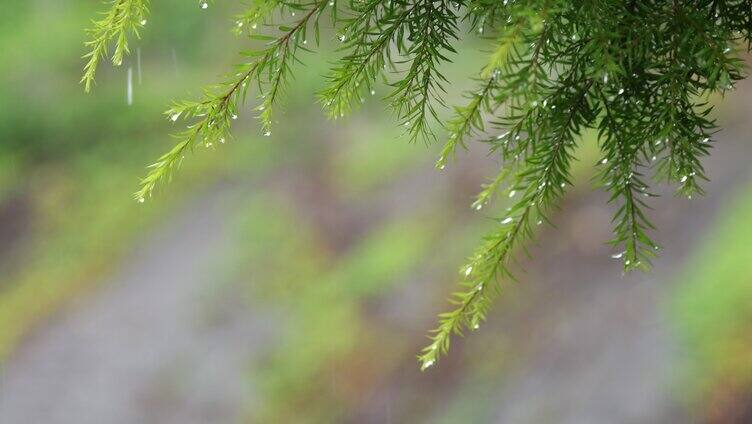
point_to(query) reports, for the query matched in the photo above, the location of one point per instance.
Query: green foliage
(637, 72)
(711, 308)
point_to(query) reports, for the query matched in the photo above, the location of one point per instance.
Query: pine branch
(542, 181)
(268, 68)
(432, 26)
(376, 27)
(641, 73)
(122, 17)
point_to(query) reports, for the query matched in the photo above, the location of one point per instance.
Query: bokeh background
(292, 278)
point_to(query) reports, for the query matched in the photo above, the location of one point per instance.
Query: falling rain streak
(175, 61)
(129, 87)
(138, 64)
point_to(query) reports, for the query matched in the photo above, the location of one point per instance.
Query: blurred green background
(291, 278)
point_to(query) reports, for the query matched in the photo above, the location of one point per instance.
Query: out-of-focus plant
(713, 313)
(638, 72)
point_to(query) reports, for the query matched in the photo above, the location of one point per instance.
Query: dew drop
(204, 5)
(267, 133)
(234, 116)
(683, 179)
(507, 220)
(373, 92)
(617, 255)
(141, 200)
(175, 116)
(468, 271)
(512, 193)
(604, 161)
(143, 22)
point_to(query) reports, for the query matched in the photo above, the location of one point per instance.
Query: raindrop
(476, 326)
(175, 61)
(203, 5)
(129, 87)
(468, 271)
(175, 116)
(254, 26)
(621, 91)
(512, 193)
(507, 220)
(141, 200)
(143, 22)
(373, 92)
(267, 133)
(138, 63)
(604, 161)
(618, 255)
(683, 179)
(234, 116)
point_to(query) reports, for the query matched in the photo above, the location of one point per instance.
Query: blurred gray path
(157, 344)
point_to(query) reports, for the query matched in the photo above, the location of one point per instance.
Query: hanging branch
(640, 73)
